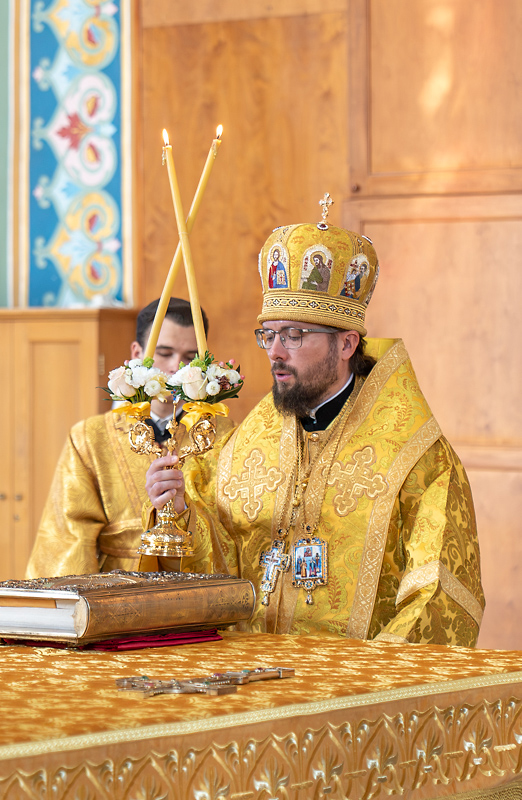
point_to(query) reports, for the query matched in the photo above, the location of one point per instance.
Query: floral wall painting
(77, 251)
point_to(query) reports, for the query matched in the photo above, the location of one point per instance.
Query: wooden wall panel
(7, 538)
(497, 496)
(49, 431)
(279, 87)
(433, 91)
(51, 353)
(449, 276)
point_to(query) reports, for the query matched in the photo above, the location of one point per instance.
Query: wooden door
(12, 384)
(58, 360)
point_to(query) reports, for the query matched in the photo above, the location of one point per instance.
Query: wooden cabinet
(53, 363)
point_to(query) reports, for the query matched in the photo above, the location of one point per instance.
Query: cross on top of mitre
(325, 203)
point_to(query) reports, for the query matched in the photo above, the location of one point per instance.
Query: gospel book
(84, 608)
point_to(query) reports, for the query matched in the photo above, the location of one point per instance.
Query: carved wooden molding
(163, 13)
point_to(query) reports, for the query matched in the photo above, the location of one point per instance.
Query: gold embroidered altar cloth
(359, 720)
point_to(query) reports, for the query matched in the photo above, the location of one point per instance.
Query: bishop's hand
(165, 482)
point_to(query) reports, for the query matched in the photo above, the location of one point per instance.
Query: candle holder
(201, 385)
(166, 538)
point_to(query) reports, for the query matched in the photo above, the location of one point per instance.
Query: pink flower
(118, 385)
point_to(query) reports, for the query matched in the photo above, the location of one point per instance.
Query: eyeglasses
(291, 338)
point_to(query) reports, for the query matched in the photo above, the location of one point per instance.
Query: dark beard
(305, 395)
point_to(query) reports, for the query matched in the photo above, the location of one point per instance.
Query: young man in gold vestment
(92, 518)
(338, 496)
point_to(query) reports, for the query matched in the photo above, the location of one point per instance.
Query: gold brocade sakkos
(391, 500)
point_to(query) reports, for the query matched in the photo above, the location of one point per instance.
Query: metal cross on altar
(326, 202)
(274, 561)
(215, 684)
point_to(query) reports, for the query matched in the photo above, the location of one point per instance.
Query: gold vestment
(386, 492)
(92, 518)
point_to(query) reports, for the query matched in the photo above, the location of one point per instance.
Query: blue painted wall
(71, 153)
(75, 239)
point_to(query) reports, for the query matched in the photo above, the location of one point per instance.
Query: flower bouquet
(203, 385)
(137, 382)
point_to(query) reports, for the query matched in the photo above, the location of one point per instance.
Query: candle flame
(219, 131)
(165, 137)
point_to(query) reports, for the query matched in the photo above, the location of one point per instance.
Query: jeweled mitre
(317, 273)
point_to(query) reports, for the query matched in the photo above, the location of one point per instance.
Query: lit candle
(176, 261)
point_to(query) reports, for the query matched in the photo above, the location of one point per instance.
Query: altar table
(359, 720)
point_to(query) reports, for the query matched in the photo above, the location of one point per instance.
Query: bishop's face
(309, 375)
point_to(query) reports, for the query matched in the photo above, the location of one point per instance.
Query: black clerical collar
(327, 411)
(159, 425)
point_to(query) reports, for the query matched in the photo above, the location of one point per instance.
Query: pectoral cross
(274, 561)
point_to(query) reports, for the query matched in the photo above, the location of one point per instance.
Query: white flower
(118, 383)
(139, 376)
(164, 395)
(194, 383)
(213, 388)
(134, 362)
(179, 376)
(153, 388)
(232, 376)
(214, 371)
